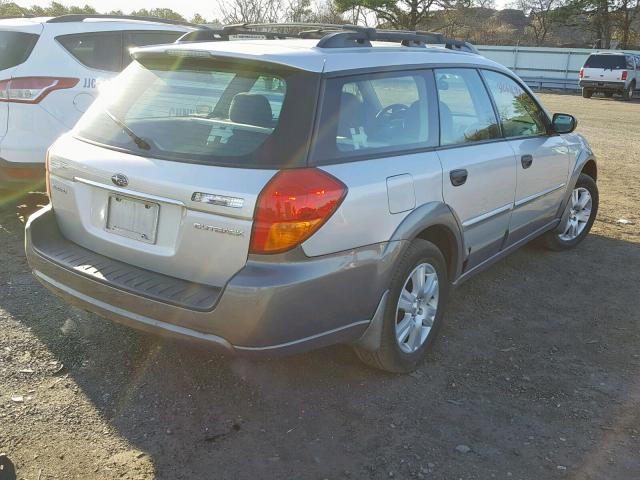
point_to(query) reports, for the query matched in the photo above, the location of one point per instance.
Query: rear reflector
(32, 89)
(292, 207)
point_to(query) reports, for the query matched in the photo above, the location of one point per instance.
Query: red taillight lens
(624, 75)
(581, 72)
(292, 207)
(32, 89)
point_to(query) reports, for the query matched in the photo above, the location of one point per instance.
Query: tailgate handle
(526, 161)
(458, 177)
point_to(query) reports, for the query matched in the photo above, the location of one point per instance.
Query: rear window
(99, 50)
(248, 114)
(607, 62)
(15, 48)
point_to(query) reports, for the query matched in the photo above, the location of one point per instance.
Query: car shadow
(536, 349)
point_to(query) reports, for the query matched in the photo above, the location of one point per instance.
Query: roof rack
(80, 17)
(337, 36)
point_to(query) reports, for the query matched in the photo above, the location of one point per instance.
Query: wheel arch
(436, 223)
(590, 168)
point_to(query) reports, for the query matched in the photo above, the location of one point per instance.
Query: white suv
(50, 69)
(609, 73)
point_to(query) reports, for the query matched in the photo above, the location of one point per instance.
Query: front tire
(418, 294)
(579, 216)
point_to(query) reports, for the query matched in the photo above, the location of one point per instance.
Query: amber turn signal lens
(292, 207)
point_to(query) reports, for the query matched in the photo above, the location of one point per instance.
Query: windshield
(15, 48)
(204, 111)
(608, 62)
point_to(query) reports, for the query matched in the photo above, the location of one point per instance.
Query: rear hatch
(17, 39)
(604, 68)
(164, 170)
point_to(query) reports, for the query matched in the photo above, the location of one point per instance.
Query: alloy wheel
(417, 308)
(579, 207)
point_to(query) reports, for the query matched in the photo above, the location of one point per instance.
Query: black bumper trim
(53, 247)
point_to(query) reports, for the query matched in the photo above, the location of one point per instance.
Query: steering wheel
(390, 112)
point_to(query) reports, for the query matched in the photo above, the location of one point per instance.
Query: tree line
(585, 23)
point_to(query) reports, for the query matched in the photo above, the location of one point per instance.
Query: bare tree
(541, 17)
(297, 10)
(403, 14)
(628, 12)
(250, 11)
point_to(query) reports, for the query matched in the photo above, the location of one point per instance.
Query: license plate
(133, 218)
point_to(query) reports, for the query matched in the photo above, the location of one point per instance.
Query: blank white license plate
(133, 218)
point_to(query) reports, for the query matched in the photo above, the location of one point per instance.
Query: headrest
(251, 109)
(352, 114)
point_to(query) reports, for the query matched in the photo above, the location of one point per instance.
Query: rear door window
(466, 113)
(371, 114)
(99, 50)
(606, 62)
(142, 39)
(15, 48)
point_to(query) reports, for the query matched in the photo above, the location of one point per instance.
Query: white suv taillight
(32, 89)
(581, 74)
(624, 75)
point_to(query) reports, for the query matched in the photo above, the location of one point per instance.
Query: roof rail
(25, 15)
(80, 17)
(357, 36)
(339, 36)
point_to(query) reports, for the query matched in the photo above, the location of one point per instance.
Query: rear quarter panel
(365, 217)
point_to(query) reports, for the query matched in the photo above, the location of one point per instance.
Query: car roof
(305, 55)
(90, 21)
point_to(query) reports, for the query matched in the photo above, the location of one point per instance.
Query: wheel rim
(417, 307)
(579, 206)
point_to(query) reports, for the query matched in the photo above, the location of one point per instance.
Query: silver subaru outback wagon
(271, 196)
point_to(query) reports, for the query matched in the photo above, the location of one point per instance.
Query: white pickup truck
(610, 73)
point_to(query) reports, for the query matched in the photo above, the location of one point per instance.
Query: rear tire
(586, 92)
(410, 324)
(627, 94)
(583, 208)
(608, 94)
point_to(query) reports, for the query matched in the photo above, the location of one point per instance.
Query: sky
(206, 8)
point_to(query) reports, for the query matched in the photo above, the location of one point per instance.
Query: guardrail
(542, 67)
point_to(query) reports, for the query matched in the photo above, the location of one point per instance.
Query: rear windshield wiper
(139, 141)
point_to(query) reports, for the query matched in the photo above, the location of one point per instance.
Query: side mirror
(564, 123)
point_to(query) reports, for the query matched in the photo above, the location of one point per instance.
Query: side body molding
(435, 214)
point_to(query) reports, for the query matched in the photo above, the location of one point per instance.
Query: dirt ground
(537, 372)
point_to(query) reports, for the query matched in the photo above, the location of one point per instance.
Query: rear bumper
(609, 86)
(282, 304)
(18, 173)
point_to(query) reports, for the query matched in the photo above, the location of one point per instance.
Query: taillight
(292, 207)
(32, 89)
(624, 75)
(47, 171)
(581, 72)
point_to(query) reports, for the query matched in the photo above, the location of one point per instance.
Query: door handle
(458, 177)
(526, 161)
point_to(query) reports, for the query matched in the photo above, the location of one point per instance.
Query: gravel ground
(536, 374)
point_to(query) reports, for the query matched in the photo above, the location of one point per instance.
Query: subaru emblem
(120, 180)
